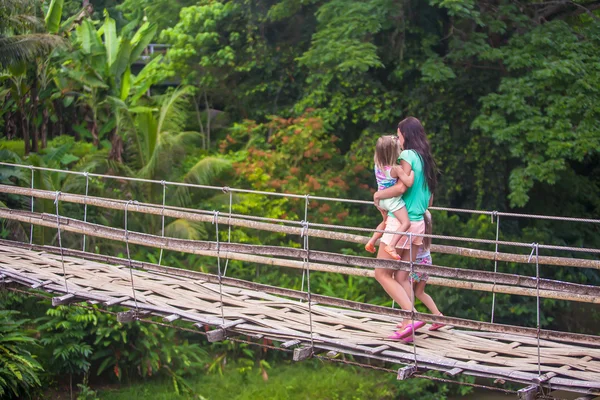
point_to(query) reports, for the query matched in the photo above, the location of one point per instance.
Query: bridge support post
(126, 316)
(406, 372)
(221, 333)
(528, 393)
(302, 353)
(66, 299)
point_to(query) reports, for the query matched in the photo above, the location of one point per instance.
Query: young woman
(416, 158)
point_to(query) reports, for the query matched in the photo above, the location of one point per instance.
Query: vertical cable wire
(412, 300)
(495, 214)
(87, 185)
(129, 256)
(226, 190)
(32, 198)
(62, 256)
(537, 288)
(306, 267)
(162, 213)
(305, 220)
(216, 223)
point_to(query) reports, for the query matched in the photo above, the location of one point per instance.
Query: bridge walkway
(197, 298)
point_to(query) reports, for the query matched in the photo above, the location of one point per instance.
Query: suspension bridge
(300, 321)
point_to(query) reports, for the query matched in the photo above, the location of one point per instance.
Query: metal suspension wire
(305, 234)
(32, 199)
(226, 190)
(216, 223)
(317, 198)
(85, 206)
(306, 267)
(129, 258)
(537, 288)
(62, 256)
(162, 230)
(412, 293)
(495, 263)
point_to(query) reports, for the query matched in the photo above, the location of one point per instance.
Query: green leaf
(54, 16)
(110, 40)
(121, 62)
(126, 84)
(142, 38)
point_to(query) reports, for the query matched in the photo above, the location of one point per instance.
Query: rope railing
(444, 276)
(299, 196)
(256, 223)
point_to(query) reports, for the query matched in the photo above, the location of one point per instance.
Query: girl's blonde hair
(428, 230)
(387, 151)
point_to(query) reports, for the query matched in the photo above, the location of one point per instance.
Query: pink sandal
(399, 335)
(436, 325)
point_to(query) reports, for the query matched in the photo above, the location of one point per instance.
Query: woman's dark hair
(415, 139)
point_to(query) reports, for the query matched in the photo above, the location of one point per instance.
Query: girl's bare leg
(425, 298)
(370, 246)
(402, 216)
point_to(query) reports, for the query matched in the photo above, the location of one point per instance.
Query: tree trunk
(24, 127)
(93, 127)
(35, 137)
(59, 125)
(10, 125)
(116, 151)
(45, 121)
(207, 121)
(200, 124)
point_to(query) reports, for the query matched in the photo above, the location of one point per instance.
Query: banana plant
(100, 71)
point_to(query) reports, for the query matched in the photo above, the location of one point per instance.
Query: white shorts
(392, 204)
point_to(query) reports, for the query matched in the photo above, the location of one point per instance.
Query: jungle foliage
(290, 96)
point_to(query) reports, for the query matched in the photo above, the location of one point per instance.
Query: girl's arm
(397, 190)
(407, 178)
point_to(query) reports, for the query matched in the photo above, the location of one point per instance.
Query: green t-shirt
(417, 196)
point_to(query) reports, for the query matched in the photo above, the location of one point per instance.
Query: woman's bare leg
(390, 285)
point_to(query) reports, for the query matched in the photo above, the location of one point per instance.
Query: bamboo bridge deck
(197, 299)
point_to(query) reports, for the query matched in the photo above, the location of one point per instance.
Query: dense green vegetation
(290, 96)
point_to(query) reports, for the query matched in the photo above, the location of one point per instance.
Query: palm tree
(23, 36)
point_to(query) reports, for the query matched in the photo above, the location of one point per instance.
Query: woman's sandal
(392, 252)
(370, 248)
(399, 335)
(436, 325)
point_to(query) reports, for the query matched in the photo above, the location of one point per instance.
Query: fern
(18, 370)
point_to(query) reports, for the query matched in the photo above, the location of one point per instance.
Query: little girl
(387, 173)
(419, 279)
